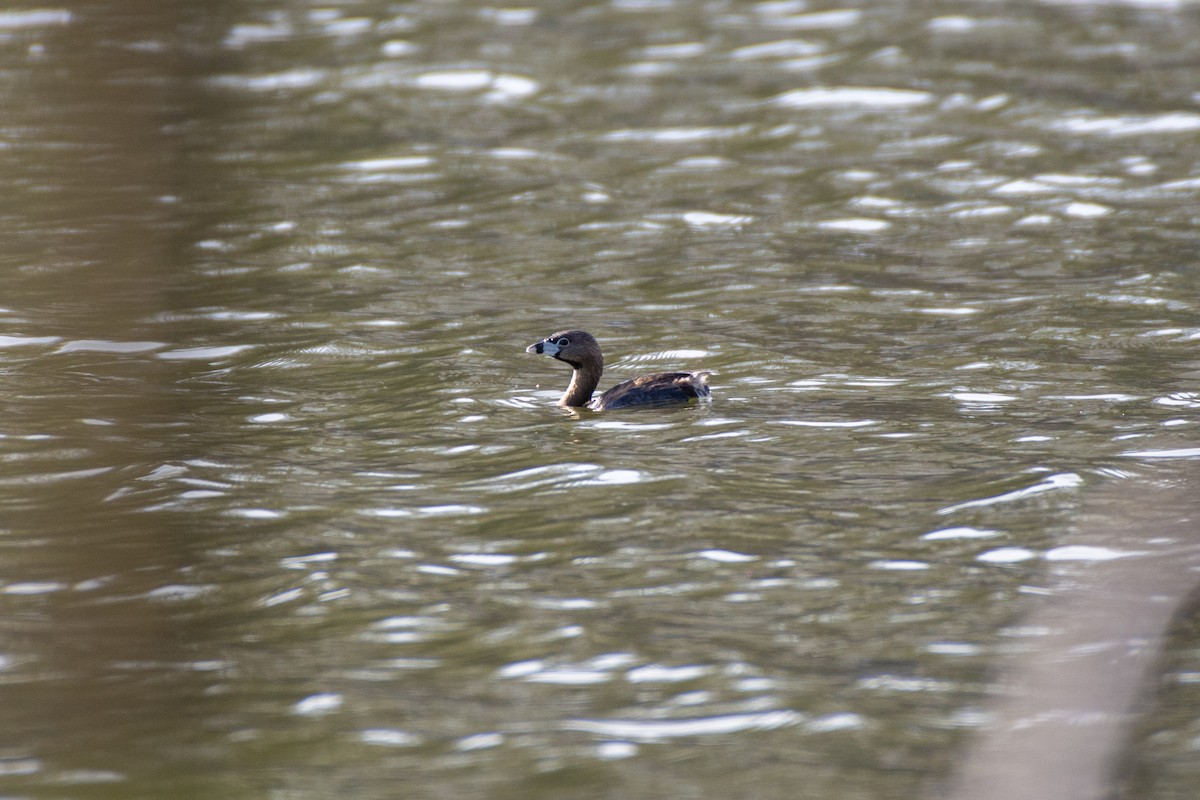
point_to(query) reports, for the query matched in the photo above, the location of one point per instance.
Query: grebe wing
(656, 389)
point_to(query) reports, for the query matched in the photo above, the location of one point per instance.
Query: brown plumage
(580, 350)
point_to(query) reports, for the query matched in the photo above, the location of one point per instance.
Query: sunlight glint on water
(287, 510)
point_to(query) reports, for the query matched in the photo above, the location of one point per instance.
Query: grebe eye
(563, 342)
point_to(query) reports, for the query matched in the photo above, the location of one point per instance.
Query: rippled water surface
(287, 511)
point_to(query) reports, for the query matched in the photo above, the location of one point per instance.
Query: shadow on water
(97, 249)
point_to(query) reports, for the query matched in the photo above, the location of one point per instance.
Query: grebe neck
(584, 379)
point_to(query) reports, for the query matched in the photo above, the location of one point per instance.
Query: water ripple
(813, 20)
(675, 135)
(1064, 480)
(1128, 125)
(859, 97)
(561, 475)
(660, 730)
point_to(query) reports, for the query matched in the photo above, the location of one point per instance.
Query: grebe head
(577, 348)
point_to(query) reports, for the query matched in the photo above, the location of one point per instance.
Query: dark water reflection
(287, 510)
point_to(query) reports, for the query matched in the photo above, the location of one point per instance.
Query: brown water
(287, 511)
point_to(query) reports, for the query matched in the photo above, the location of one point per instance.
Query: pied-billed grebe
(580, 350)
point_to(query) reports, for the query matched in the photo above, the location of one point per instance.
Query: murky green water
(287, 511)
